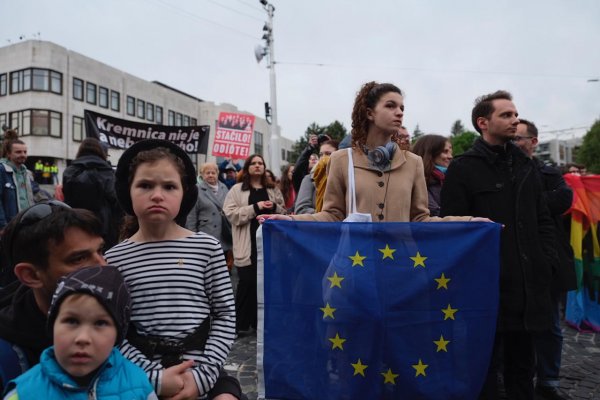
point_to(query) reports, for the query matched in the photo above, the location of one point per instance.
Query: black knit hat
(190, 195)
(106, 284)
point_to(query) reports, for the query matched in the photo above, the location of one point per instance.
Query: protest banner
(121, 134)
(233, 135)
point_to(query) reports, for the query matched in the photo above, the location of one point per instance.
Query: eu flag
(378, 310)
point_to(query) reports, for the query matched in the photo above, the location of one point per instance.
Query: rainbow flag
(583, 304)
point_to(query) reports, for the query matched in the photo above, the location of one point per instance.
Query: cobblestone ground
(580, 374)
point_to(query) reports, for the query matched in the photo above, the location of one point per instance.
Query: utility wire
(249, 5)
(236, 11)
(195, 16)
(395, 67)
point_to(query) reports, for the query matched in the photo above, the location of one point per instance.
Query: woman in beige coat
(390, 182)
(253, 196)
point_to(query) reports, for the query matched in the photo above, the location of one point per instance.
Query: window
(141, 108)
(130, 106)
(2, 120)
(258, 143)
(193, 121)
(56, 82)
(90, 93)
(283, 154)
(115, 101)
(78, 133)
(2, 85)
(150, 111)
(20, 81)
(171, 118)
(177, 119)
(37, 122)
(186, 120)
(40, 79)
(159, 115)
(103, 97)
(77, 89)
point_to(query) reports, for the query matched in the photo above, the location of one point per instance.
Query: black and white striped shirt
(175, 285)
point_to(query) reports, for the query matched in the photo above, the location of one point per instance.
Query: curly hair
(429, 147)
(367, 97)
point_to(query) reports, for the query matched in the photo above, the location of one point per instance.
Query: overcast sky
(442, 54)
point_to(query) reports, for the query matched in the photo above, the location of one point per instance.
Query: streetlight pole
(268, 37)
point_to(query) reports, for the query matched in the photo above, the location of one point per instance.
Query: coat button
(379, 173)
(380, 184)
(381, 205)
(499, 185)
(524, 257)
(380, 216)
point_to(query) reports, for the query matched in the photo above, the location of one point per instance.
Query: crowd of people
(161, 318)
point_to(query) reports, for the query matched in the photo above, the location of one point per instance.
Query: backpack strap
(13, 362)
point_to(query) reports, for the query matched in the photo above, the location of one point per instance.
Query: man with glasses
(42, 243)
(548, 344)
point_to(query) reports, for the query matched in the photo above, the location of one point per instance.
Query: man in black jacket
(559, 196)
(44, 243)
(494, 179)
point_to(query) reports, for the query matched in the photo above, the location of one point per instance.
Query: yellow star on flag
(449, 312)
(419, 260)
(328, 311)
(442, 281)
(359, 368)
(389, 377)
(337, 342)
(441, 344)
(357, 259)
(335, 280)
(420, 368)
(387, 252)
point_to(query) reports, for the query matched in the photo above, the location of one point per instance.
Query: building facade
(45, 88)
(557, 151)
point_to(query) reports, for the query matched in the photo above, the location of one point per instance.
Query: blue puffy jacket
(118, 378)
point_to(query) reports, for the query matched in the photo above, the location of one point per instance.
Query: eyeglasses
(31, 216)
(518, 138)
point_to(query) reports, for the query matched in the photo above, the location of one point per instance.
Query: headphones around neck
(382, 155)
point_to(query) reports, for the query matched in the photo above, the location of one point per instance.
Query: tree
(590, 149)
(462, 142)
(336, 130)
(457, 128)
(417, 132)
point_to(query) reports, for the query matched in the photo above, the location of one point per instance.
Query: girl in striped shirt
(182, 301)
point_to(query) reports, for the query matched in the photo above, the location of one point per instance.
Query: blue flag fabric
(378, 310)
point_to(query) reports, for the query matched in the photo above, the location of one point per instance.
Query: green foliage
(457, 128)
(462, 142)
(336, 130)
(417, 132)
(588, 153)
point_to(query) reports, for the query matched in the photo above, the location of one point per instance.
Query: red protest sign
(233, 135)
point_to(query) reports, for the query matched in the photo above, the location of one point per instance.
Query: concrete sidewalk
(580, 374)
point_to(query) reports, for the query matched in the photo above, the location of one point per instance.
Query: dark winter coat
(559, 197)
(502, 184)
(105, 206)
(22, 323)
(301, 167)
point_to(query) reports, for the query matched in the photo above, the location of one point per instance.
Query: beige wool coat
(395, 195)
(240, 214)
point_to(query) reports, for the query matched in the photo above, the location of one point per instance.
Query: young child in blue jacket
(89, 315)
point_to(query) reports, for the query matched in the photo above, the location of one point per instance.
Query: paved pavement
(580, 374)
